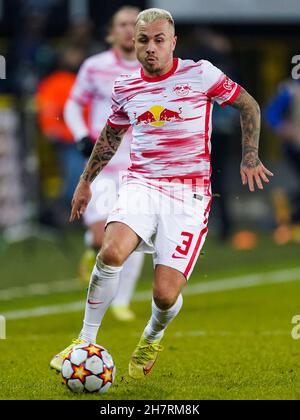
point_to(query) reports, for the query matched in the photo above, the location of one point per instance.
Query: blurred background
(244, 291)
(255, 43)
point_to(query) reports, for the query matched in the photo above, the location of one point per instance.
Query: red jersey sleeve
(218, 86)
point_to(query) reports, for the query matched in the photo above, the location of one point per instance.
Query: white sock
(103, 286)
(160, 319)
(128, 278)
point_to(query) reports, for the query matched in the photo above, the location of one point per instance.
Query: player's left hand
(256, 175)
(81, 198)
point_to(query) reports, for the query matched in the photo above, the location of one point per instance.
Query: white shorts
(170, 219)
(104, 196)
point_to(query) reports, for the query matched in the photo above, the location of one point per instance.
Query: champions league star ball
(88, 368)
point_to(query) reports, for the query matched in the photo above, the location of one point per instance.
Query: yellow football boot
(57, 360)
(144, 357)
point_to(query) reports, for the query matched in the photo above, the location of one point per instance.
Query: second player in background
(93, 89)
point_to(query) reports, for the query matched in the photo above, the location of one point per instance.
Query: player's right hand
(81, 198)
(85, 146)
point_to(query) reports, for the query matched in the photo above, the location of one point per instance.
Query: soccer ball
(88, 368)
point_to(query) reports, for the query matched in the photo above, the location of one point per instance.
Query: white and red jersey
(171, 116)
(93, 87)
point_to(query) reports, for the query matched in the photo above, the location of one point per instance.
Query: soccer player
(93, 88)
(168, 103)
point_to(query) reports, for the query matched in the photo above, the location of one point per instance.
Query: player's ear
(174, 42)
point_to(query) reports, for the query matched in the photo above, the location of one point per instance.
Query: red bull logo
(158, 115)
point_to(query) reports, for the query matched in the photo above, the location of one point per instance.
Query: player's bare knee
(164, 301)
(111, 255)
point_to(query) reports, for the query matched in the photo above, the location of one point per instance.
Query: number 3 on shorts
(186, 243)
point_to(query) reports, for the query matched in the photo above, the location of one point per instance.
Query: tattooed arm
(251, 167)
(103, 151)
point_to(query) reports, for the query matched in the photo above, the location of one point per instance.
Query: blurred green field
(232, 339)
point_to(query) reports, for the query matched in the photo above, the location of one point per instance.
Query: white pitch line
(40, 289)
(200, 333)
(231, 283)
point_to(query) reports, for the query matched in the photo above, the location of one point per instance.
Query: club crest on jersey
(158, 115)
(182, 89)
(228, 84)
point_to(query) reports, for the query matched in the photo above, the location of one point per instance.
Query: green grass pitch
(230, 344)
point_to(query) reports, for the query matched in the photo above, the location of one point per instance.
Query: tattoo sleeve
(105, 147)
(250, 124)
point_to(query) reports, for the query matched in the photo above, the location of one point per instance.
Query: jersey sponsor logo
(158, 115)
(182, 89)
(228, 84)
